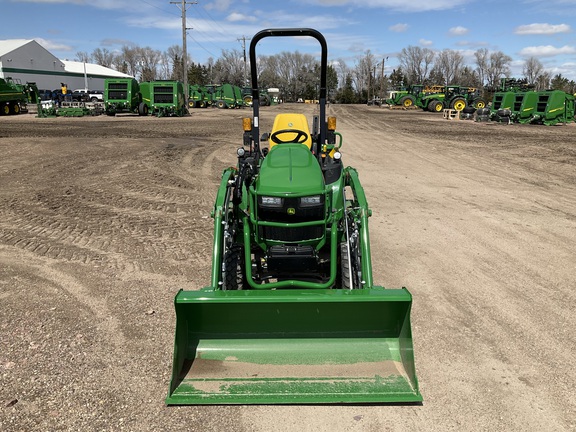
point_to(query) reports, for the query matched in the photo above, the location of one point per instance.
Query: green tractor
(405, 98)
(452, 97)
(292, 314)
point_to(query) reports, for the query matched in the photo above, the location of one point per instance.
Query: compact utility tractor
(292, 314)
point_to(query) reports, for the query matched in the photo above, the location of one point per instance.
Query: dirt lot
(103, 219)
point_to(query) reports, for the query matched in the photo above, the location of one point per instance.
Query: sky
(544, 29)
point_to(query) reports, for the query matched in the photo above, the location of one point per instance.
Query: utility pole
(183, 4)
(382, 79)
(243, 39)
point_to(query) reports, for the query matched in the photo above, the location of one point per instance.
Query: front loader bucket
(293, 347)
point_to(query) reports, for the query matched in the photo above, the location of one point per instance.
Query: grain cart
(13, 99)
(122, 95)
(164, 98)
(292, 314)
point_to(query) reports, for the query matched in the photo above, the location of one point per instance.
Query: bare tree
(362, 75)
(449, 63)
(129, 58)
(342, 70)
(416, 62)
(498, 66)
(229, 68)
(165, 69)
(103, 57)
(532, 70)
(543, 81)
(482, 56)
(150, 59)
(83, 56)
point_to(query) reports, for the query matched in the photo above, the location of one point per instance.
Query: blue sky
(545, 29)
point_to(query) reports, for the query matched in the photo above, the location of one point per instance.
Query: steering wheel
(301, 136)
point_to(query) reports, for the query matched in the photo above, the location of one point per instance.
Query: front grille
(282, 215)
(163, 89)
(117, 95)
(117, 86)
(291, 235)
(163, 98)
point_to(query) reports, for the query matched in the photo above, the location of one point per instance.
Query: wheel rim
(459, 105)
(408, 102)
(480, 104)
(438, 107)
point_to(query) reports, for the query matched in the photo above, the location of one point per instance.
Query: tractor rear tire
(407, 101)
(234, 277)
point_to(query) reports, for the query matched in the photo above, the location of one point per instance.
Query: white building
(28, 61)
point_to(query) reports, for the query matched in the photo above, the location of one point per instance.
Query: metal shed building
(28, 61)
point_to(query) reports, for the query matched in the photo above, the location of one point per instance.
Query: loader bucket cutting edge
(292, 347)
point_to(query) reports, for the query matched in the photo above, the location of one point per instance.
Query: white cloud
(458, 31)
(53, 46)
(219, 5)
(399, 28)
(238, 17)
(542, 29)
(397, 5)
(547, 51)
(425, 42)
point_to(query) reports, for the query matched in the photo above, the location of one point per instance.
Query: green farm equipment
(518, 102)
(291, 314)
(164, 98)
(552, 107)
(227, 96)
(122, 95)
(405, 98)
(452, 97)
(13, 98)
(199, 97)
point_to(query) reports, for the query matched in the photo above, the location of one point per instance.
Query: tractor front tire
(458, 104)
(435, 106)
(234, 278)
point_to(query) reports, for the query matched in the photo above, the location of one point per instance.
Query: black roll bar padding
(254, 72)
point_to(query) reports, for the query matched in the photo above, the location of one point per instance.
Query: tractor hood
(290, 169)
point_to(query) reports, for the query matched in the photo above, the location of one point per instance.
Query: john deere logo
(291, 211)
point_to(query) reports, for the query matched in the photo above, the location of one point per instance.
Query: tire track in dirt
(157, 221)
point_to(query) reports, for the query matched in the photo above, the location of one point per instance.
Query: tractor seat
(291, 121)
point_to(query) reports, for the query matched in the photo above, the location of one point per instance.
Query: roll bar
(254, 72)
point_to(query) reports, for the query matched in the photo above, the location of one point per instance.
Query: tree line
(296, 74)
